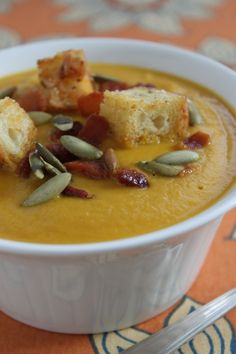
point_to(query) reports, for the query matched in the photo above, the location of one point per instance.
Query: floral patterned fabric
(207, 26)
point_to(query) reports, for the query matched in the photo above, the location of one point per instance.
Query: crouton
(17, 134)
(142, 115)
(65, 77)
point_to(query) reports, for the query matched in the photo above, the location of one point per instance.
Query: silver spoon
(170, 338)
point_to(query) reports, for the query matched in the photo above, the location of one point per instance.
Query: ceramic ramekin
(100, 287)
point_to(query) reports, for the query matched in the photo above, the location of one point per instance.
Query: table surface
(207, 26)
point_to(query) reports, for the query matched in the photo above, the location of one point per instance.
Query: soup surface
(118, 211)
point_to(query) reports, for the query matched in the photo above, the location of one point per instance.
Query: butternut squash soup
(137, 191)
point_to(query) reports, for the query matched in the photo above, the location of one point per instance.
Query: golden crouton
(65, 77)
(142, 115)
(17, 134)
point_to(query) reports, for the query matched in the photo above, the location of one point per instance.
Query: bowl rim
(224, 203)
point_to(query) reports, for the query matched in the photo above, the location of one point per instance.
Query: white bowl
(105, 286)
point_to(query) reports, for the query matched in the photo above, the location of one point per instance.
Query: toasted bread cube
(142, 115)
(65, 77)
(17, 134)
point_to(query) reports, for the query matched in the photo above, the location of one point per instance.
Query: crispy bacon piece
(70, 191)
(197, 140)
(104, 85)
(95, 130)
(23, 169)
(131, 178)
(77, 126)
(89, 169)
(32, 100)
(60, 152)
(90, 104)
(56, 133)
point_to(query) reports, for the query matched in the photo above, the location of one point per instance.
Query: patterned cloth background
(208, 26)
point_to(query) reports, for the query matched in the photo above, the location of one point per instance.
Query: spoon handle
(170, 338)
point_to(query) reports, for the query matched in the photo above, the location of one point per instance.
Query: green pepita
(50, 168)
(179, 157)
(40, 118)
(7, 92)
(62, 122)
(48, 190)
(49, 157)
(80, 148)
(160, 168)
(194, 114)
(36, 165)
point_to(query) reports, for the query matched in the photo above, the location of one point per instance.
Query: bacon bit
(95, 130)
(110, 160)
(23, 169)
(90, 104)
(112, 85)
(56, 134)
(131, 178)
(70, 191)
(32, 100)
(197, 140)
(61, 153)
(89, 169)
(187, 171)
(72, 67)
(77, 126)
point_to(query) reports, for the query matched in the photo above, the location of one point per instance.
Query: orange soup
(119, 211)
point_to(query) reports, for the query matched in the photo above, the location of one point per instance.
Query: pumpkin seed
(144, 165)
(62, 122)
(39, 117)
(104, 78)
(80, 148)
(49, 157)
(194, 114)
(48, 190)
(160, 168)
(179, 157)
(110, 159)
(7, 92)
(36, 165)
(50, 168)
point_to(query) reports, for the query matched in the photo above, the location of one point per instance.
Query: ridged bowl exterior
(98, 293)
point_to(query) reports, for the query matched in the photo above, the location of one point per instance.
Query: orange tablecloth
(208, 26)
